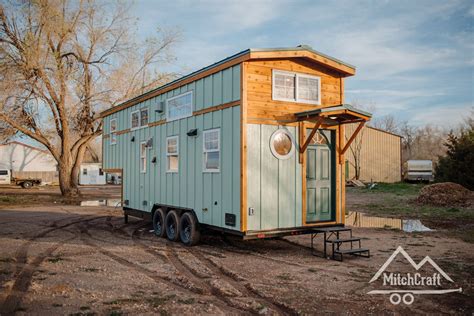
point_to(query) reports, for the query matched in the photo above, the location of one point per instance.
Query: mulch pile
(445, 194)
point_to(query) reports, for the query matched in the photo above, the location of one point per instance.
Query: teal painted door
(319, 182)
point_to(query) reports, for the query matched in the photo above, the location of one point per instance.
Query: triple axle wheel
(176, 226)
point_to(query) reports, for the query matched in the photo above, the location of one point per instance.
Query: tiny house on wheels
(252, 145)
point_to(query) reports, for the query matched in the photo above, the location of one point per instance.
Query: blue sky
(414, 59)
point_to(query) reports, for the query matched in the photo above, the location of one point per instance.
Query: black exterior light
(160, 107)
(192, 132)
(133, 139)
(153, 160)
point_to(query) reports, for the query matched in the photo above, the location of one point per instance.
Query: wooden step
(336, 241)
(351, 251)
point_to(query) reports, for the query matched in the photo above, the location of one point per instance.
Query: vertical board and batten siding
(380, 155)
(273, 185)
(192, 188)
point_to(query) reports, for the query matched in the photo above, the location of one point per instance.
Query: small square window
(113, 130)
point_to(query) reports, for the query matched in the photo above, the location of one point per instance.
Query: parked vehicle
(419, 170)
(6, 178)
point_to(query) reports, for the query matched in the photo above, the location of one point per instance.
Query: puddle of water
(358, 219)
(105, 202)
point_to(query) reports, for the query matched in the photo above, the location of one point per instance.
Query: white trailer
(419, 170)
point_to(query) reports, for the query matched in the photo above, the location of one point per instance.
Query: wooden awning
(334, 115)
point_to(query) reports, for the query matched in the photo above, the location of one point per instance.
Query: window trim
(131, 120)
(113, 141)
(143, 167)
(205, 151)
(147, 118)
(183, 116)
(296, 76)
(168, 170)
(272, 147)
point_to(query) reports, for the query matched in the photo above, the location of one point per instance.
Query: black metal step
(336, 241)
(331, 229)
(351, 251)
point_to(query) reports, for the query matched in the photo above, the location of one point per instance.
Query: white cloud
(442, 116)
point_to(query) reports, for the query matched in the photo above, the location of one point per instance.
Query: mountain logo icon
(416, 279)
(417, 267)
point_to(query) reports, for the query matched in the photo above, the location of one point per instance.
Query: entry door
(319, 182)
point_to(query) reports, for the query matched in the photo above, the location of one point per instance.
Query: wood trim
(113, 170)
(303, 177)
(123, 131)
(344, 69)
(308, 140)
(156, 123)
(217, 107)
(243, 147)
(180, 83)
(342, 131)
(301, 140)
(354, 135)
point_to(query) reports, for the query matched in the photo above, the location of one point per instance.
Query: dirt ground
(68, 259)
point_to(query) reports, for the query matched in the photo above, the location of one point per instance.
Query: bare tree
(356, 149)
(387, 123)
(63, 62)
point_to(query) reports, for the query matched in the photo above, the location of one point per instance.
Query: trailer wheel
(172, 225)
(27, 185)
(159, 223)
(188, 229)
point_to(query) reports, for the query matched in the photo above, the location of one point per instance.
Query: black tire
(188, 229)
(172, 226)
(159, 223)
(27, 184)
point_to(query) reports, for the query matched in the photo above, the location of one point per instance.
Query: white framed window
(172, 154)
(139, 118)
(135, 119)
(179, 107)
(211, 150)
(144, 117)
(113, 131)
(296, 87)
(143, 153)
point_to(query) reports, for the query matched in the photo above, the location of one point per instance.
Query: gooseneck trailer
(252, 145)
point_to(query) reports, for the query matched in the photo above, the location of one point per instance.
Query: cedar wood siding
(219, 193)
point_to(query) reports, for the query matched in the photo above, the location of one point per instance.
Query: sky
(414, 59)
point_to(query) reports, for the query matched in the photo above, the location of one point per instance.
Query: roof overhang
(334, 115)
(301, 51)
(306, 52)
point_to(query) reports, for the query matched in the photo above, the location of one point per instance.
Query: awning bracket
(354, 135)
(313, 131)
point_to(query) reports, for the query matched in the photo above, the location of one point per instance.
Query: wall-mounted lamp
(192, 132)
(160, 107)
(149, 143)
(133, 139)
(153, 160)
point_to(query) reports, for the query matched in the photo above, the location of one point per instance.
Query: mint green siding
(273, 185)
(190, 187)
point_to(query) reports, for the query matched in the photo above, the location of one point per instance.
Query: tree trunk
(68, 188)
(76, 168)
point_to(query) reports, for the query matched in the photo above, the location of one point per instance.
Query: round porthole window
(282, 144)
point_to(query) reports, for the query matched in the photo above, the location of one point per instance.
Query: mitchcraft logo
(413, 280)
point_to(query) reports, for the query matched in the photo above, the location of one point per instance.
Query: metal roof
(239, 54)
(347, 107)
